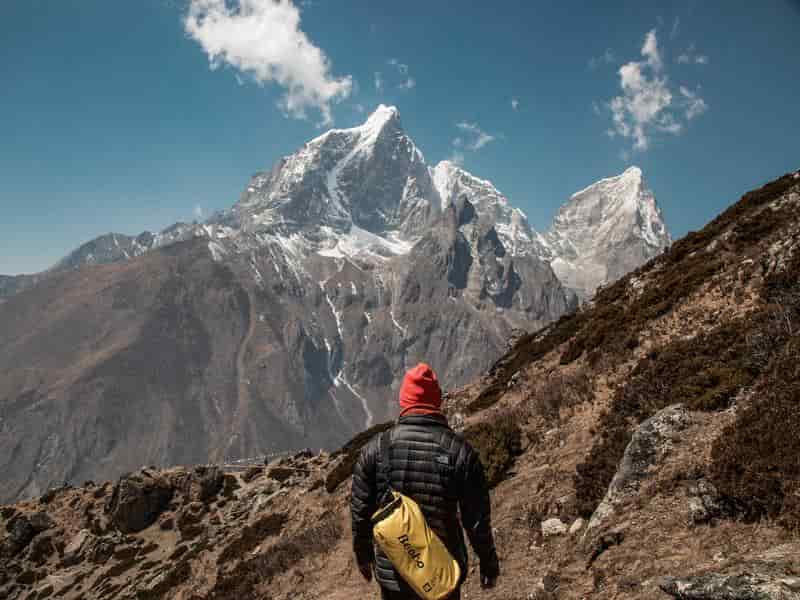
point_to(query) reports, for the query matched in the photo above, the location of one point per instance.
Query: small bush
(498, 443)
(756, 460)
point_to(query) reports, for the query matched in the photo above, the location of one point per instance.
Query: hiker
(437, 468)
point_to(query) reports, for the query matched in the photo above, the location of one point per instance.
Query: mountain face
(283, 322)
(605, 231)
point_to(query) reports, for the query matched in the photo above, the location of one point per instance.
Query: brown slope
(111, 366)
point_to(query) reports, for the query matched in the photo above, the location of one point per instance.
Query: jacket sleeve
(363, 501)
(476, 515)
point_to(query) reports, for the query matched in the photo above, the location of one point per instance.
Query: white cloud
(606, 58)
(690, 56)
(695, 105)
(359, 108)
(647, 104)
(514, 104)
(407, 82)
(479, 137)
(378, 82)
(263, 39)
(650, 50)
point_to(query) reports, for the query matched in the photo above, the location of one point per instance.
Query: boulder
(553, 527)
(20, 533)
(715, 586)
(190, 519)
(649, 445)
(137, 500)
(41, 521)
(281, 473)
(576, 526)
(44, 546)
(704, 503)
(204, 483)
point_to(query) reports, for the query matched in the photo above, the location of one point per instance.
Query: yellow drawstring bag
(416, 552)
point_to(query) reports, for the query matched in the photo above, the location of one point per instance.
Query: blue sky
(111, 118)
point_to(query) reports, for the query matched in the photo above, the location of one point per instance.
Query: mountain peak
(384, 113)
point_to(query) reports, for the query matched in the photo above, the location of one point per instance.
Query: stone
(41, 521)
(281, 473)
(648, 446)
(205, 483)
(553, 527)
(20, 533)
(716, 586)
(137, 501)
(166, 522)
(42, 547)
(229, 485)
(189, 520)
(704, 503)
(576, 526)
(100, 549)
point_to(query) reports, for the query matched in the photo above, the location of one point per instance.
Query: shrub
(755, 460)
(498, 443)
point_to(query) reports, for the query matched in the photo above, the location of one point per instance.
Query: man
(439, 470)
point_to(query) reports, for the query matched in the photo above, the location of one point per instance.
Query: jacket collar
(431, 420)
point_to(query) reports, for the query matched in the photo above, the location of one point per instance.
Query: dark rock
(100, 550)
(190, 519)
(29, 576)
(205, 483)
(52, 493)
(41, 521)
(166, 521)
(705, 503)
(43, 547)
(178, 552)
(20, 533)
(7, 512)
(230, 485)
(137, 500)
(715, 586)
(280, 473)
(125, 552)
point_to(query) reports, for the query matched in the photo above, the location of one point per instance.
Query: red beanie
(420, 392)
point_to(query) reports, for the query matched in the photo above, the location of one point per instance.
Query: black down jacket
(443, 474)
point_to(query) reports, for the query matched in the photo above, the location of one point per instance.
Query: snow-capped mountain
(452, 182)
(285, 321)
(605, 231)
